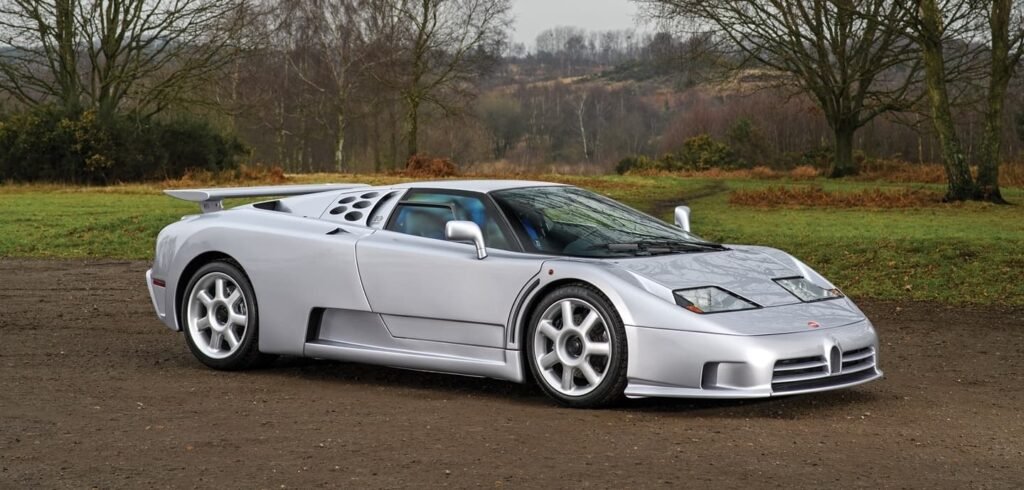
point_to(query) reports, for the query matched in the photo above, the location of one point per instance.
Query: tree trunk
(583, 129)
(339, 147)
(68, 56)
(961, 186)
(393, 119)
(412, 120)
(375, 137)
(999, 78)
(842, 161)
(988, 168)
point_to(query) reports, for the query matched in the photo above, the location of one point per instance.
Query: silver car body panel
(438, 277)
(706, 365)
(334, 285)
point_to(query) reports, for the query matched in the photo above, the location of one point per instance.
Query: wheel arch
(530, 305)
(190, 269)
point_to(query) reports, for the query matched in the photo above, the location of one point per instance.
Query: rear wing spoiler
(211, 200)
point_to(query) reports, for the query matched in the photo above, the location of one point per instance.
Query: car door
(428, 288)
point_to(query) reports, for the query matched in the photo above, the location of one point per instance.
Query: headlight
(806, 290)
(711, 300)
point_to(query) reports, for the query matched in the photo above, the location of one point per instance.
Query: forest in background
(114, 90)
(579, 101)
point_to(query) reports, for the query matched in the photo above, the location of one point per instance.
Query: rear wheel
(576, 347)
(221, 319)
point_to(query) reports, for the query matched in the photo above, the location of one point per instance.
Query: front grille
(806, 373)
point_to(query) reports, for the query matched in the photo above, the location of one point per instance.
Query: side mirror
(683, 217)
(466, 231)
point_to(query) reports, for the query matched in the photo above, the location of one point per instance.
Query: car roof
(475, 185)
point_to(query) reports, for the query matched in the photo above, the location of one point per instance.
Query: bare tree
(343, 35)
(931, 28)
(846, 54)
(1006, 40)
(990, 35)
(446, 44)
(106, 54)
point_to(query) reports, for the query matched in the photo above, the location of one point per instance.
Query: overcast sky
(534, 16)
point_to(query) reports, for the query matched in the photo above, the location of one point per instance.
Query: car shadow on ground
(852, 400)
(787, 407)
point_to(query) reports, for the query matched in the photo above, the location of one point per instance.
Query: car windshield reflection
(564, 220)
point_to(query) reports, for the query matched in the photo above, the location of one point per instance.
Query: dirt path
(95, 392)
(666, 206)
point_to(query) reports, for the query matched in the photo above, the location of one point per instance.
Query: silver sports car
(496, 278)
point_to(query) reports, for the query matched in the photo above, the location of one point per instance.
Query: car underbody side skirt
(361, 336)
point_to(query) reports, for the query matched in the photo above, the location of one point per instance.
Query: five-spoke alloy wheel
(576, 347)
(220, 317)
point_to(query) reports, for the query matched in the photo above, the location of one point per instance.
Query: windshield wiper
(652, 247)
(685, 243)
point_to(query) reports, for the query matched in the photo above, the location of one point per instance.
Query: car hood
(743, 271)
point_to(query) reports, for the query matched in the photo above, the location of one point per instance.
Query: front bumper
(672, 363)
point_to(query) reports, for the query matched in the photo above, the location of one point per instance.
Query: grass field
(956, 254)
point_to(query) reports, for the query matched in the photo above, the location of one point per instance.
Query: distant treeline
(361, 85)
(595, 98)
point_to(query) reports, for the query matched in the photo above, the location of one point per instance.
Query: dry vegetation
(430, 167)
(815, 196)
(508, 168)
(243, 175)
(1010, 174)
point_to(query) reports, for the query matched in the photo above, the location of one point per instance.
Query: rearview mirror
(683, 217)
(466, 231)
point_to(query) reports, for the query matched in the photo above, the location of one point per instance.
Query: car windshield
(562, 220)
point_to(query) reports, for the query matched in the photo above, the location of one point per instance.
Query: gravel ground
(95, 392)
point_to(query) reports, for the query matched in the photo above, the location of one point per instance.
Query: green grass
(954, 254)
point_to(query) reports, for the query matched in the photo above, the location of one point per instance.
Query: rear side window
(421, 219)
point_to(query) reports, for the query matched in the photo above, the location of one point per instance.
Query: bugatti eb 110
(512, 280)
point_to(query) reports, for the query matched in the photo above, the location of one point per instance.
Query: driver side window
(425, 220)
(425, 213)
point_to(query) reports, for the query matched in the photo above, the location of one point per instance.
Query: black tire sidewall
(249, 350)
(611, 388)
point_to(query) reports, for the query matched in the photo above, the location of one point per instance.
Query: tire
(220, 318)
(592, 348)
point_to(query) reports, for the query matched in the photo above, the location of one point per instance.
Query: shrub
(50, 145)
(803, 172)
(761, 172)
(820, 158)
(425, 166)
(699, 153)
(191, 144)
(638, 164)
(896, 170)
(702, 152)
(1011, 174)
(747, 142)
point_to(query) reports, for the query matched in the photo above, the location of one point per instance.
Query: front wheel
(576, 346)
(221, 319)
